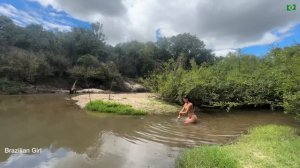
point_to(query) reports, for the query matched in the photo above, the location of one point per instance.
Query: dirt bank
(144, 101)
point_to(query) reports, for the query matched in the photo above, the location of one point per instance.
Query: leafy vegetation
(33, 55)
(111, 107)
(10, 87)
(236, 80)
(264, 146)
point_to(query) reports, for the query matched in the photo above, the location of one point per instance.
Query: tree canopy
(27, 49)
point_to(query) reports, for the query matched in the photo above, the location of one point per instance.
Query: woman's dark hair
(187, 97)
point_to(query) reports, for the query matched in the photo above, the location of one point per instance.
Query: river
(70, 137)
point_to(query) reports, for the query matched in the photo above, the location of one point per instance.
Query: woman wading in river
(188, 109)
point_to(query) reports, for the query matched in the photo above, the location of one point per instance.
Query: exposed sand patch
(144, 101)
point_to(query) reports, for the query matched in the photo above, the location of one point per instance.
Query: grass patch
(264, 146)
(208, 157)
(111, 107)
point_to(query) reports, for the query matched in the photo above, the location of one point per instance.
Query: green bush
(10, 87)
(292, 104)
(111, 107)
(236, 80)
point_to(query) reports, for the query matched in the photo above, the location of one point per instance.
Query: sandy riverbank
(144, 101)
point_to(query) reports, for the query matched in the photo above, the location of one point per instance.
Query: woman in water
(189, 110)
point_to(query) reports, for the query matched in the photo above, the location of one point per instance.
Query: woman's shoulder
(190, 104)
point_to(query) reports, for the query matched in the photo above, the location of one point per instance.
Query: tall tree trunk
(73, 89)
(88, 85)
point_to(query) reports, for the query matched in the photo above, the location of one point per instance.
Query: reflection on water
(71, 138)
(46, 158)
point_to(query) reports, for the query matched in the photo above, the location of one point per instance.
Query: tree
(82, 41)
(20, 65)
(127, 57)
(88, 69)
(8, 32)
(188, 45)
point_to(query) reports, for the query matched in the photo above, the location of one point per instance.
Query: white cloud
(224, 52)
(285, 29)
(24, 18)
(222, 25)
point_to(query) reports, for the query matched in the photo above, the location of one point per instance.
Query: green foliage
(190, 46)
(10, 87)
(58, 64)
(90, 70)
(292, 103)
(81, 42)
(236, 80)
(20, 65)
(264, 146)
(136, 59)
(88, 61)
(111, 107)
(82, 54)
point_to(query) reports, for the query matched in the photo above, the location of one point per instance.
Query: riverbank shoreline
(148, 102)
(262, 146)
(8, 87)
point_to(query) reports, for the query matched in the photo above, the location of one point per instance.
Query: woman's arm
(182, 111)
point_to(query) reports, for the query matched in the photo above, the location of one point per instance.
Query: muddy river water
(53, 132)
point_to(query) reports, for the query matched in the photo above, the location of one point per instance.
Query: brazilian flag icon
(291, 7)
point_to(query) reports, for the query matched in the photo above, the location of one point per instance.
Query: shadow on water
(70, 137)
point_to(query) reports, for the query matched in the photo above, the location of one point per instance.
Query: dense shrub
(236, 80)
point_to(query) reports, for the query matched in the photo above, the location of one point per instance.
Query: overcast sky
(224, 25)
